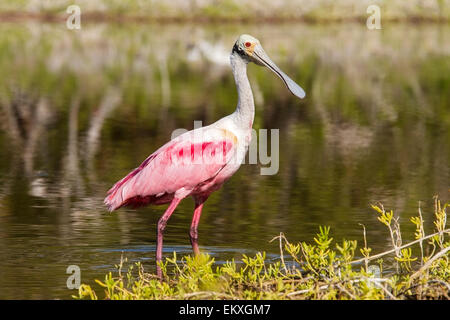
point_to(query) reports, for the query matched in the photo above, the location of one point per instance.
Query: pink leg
(193, 233)
(161, 226)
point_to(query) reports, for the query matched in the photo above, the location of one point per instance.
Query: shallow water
(79, 110)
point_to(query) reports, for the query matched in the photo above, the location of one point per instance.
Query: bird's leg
(193, 233)
(162, 222)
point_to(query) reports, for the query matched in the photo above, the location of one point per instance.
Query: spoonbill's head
(250, 49)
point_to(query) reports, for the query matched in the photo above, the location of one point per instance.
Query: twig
(346, 291)
(420, 284)
(422, 231)
(429, 262)
(326, 286)
(296, 281)
(208, 293)
(399, 248)
(306, 290)
(366, 261)
(281, 236)
(387, 292)
(445, 284)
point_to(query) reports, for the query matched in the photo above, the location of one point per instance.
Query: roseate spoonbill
(198, 162)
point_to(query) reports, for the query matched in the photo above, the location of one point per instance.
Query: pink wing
(185, 162)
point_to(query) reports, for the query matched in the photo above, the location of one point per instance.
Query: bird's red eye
(248, 44)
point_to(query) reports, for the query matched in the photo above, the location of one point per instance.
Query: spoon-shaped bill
(260, 56)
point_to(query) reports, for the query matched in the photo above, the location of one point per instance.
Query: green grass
(318, 269)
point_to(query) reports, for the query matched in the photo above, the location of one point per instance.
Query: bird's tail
(118, 195)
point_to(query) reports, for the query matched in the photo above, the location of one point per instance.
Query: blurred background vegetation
(80, 108)
(247, 10)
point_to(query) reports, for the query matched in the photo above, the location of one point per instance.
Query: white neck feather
(245, 110)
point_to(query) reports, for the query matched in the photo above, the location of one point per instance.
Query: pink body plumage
(187, 165)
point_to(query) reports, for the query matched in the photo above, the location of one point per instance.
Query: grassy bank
(230, 10)
(318, 269)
